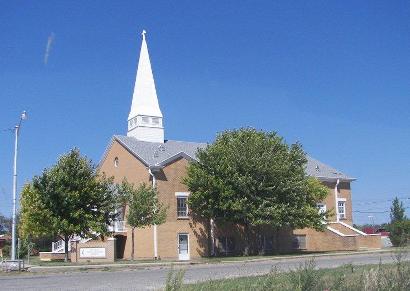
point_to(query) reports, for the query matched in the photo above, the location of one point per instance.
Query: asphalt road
(154, 277)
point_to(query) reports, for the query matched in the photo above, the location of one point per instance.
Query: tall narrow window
(341, 207)
(182, 207)
(299, 242)
(116, 162)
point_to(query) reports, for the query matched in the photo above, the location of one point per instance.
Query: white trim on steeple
(145, 118)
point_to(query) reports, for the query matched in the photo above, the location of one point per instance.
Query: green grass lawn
(308, 278)
(35, 260)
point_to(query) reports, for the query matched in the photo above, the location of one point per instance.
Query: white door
(183, 247)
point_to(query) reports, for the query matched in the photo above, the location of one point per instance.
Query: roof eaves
(334, 179)
(104, 156)
(175, 157)
(132, 152)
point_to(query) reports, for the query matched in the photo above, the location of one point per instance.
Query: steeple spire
(145, 118)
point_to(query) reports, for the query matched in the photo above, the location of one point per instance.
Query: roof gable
(161, 154)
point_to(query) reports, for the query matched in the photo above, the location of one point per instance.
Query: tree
(253, 178)
(5, 224)
(68, 199)
(397, 211)
(144, 208)
(399, 224)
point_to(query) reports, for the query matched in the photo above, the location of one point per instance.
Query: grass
(307, 277)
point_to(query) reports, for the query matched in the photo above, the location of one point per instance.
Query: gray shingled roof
(159, 154)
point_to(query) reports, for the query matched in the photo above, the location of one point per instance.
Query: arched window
(116, 162)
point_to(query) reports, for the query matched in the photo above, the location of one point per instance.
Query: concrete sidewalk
(139, 265)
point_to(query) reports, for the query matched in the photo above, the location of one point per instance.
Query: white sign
(92, 252)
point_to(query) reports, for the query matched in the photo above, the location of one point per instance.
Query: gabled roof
(159, 154)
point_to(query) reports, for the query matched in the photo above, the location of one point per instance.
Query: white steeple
(145, 118)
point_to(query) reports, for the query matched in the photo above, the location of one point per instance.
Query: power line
(381, 201)
(369, 211)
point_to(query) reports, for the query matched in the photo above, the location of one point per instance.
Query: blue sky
(333, 75)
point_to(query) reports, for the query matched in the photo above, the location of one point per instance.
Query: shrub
(400, 232)
(175, 280)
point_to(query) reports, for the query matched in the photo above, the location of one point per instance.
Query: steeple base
(150, 134)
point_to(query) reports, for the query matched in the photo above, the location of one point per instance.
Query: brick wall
(370, 242)
(344, 191)
(169, 181)
(327, 240)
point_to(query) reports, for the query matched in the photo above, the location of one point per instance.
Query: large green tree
(144, 208)
(68, 199)
(253, 178)
(399, 224)
(397, 211)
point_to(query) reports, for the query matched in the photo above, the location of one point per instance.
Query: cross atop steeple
(145, 118)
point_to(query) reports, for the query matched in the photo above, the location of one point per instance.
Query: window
(155, 120)
(299, 242)
(341, 209)
(321, 207)
(226, 245)
(145, 119)
(116, 162)
(182, 207)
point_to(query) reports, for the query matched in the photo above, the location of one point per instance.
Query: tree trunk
(212, 237)
(66, 242)
(132, 242)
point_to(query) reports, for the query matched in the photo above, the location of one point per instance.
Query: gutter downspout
(336, 205)
(154, 182)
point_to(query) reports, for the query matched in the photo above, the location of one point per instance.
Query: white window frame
(342, 215)
(299, 247)
(321, 207)
(182, 195)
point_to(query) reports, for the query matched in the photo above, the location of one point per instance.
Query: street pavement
(153, 278)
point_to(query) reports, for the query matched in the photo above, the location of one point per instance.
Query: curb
(35, 269)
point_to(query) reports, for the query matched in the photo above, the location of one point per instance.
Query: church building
(144, 155)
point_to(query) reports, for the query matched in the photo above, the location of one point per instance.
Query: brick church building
(143, 155)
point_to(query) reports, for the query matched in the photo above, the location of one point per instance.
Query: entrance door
(183, 247)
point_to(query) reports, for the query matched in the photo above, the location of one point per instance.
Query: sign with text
(92, 252)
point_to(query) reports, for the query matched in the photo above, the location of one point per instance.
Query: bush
(400, 232)
(175, 280)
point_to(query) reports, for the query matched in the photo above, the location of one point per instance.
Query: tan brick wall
(169, 181)
(129, 167)
(344, 191)
(49, 256)
(370, 242)
(327, 240)
(343, 229)
(108, 244)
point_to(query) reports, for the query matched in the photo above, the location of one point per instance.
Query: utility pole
(23, 116)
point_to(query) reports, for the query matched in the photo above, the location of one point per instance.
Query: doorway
(183, 247)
